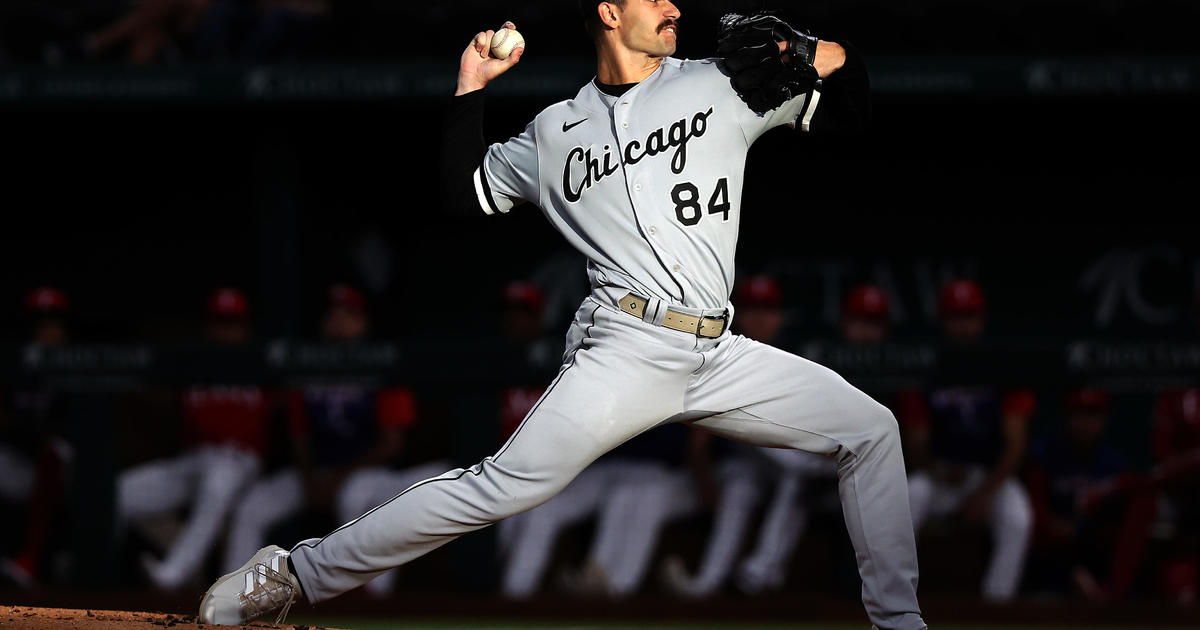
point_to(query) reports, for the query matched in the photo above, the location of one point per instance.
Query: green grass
(377, 624)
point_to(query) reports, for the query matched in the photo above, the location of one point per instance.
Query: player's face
(49, 332)
(344, 324)
(1085, 428)
(649, 26)
(963, 329)
(863, 330)
(522, 324)
(228, 332)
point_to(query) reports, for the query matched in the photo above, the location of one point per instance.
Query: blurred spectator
(338, 429)
(865, 315)
(523, 329)
(34, 452)
(759, 304)
(1175, 479)
(963, 312)
(225, 434)
(731, 481)
(1073, 478)
(965, 442)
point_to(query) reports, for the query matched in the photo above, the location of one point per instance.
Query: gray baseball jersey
(646, 185)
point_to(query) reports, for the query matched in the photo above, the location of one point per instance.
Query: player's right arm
(466, 160)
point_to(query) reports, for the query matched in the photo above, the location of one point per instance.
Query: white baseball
(504, 41)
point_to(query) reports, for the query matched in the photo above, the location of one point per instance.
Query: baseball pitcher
(642, 172)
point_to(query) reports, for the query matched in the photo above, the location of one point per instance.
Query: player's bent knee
(879, 426)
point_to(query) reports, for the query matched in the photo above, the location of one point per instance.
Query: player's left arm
(788, 76)
(844, 105)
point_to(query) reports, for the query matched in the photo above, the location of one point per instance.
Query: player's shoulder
(703, 74)
(709, 68)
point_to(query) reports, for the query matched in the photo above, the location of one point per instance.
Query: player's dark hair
(591, 19)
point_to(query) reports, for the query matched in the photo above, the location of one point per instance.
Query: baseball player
(34, 454)
(344, 435)
(1074, 534)
(642, 172)
(967, 442)
(225, 428)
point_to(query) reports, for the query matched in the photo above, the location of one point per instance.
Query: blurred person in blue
(966, 441)
(1073, 477)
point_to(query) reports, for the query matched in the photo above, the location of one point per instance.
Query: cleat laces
(268, 589)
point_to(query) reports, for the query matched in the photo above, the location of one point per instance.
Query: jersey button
(625, 125)
(637, 186)
(675, 268)
(653, 230)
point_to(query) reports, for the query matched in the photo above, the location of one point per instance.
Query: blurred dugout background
(156, 152)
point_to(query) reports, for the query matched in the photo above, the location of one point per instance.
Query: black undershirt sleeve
(845, 103)
(463, 149)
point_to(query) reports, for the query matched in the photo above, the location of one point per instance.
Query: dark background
(1026, 141)
(1045, 148)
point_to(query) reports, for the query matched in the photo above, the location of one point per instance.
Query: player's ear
(608, 14)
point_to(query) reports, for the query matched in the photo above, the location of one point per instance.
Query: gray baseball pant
(622, 376)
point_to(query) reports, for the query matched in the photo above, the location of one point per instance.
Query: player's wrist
(467, 83)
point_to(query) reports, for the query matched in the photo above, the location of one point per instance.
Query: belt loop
(655, 312)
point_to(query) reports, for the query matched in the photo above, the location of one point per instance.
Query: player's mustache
(668, 23)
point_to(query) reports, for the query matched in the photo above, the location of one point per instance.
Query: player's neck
(617, 66)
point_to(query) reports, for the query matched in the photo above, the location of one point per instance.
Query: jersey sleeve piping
(484, 192)
(810, 108)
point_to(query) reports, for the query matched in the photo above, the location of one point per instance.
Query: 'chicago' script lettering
(660, 140)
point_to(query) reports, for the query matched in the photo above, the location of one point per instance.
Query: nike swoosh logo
(567, 127)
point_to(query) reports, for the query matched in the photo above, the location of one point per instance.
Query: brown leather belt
(708, 327)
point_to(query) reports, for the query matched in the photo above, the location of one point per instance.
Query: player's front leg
(767, 397)
(603, 397)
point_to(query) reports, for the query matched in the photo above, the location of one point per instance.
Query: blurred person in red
(1175, 483)
(966, 443)
(34, 455)
(346, 437)
(225, 435)
(865, 315)
(1072, 480)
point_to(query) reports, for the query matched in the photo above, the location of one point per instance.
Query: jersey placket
(640, 184)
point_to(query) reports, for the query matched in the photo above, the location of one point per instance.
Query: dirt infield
(67, 618)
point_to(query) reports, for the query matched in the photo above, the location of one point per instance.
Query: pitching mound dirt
(68, 619)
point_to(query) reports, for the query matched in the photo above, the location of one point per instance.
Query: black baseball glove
(749, 45)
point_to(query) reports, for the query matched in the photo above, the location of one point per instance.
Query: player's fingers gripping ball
(505, 40)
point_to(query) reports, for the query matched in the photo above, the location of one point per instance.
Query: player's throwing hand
(478, 67)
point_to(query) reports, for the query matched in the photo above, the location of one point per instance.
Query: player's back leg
(764, 396)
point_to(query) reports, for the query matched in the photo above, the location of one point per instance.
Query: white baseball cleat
(260, 586)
